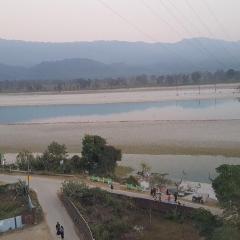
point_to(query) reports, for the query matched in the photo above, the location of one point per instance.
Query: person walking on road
(62, 232)
(58, 228)
(175, 197)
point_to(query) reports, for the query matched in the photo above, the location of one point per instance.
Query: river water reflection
(197, 168)
(208, 109)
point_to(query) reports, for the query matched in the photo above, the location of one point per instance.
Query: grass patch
(11, 204)
(122, 171)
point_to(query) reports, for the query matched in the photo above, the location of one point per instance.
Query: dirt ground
(159, 137)
(38, 232)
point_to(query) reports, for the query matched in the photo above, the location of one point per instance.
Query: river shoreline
(222, 91)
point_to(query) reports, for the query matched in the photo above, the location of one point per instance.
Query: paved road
(46, 189)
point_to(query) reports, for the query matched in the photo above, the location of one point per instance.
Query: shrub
(226, 232)
(205, 222)
(132, 180)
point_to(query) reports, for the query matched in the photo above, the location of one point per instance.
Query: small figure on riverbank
(111, 186)
(175, 197)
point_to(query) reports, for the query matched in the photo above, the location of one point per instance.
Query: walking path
(213, 210)
(53, 209)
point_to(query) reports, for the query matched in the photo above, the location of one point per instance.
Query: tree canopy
(24, 159)
(1, 158)
(54, 155)
(227, 185)
(98, 157)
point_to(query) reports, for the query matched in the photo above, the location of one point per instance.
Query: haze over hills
(36, 60)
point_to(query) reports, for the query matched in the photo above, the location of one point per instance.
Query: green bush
(175, 216)
(226, 232)
(110, 230)
(132, 180)
(205, 222)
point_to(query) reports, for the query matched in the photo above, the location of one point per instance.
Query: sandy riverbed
(122, 96)
(149, 137)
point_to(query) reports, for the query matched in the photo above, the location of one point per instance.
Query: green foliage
(53, 156)
(77, 163)
(98, 157)
(22, 189)
(74, 188)
(89, 201)
(205, 222)
(226, 232)
(132, 180)
(122, 171)
(1, 158)
(9, 209)
(37, 163)
(158, 179)
(175, 216)
(110, 230)
(227, 186)
(4, 188)
(143, 80)
(24, 158)
(145, 168)
(12, 204)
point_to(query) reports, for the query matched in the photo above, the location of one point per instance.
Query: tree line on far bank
(144, 80)
(97, 157)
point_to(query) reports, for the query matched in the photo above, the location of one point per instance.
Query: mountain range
(99, 59)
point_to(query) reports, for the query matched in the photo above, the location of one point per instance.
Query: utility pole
(177, 88)
(150, 215)
(28, 175)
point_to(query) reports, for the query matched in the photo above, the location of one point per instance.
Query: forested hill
(48, 61)
(195, 78)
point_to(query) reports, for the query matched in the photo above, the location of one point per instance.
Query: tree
(231, 73)
(158, 179)
(54, 155)
(196, 76)
(98, 157)
(227, 185)
(77, 163)
(226, 232)
(24, 159)
(132, 180)
(145, 168)
(1, 158)
(227, 189)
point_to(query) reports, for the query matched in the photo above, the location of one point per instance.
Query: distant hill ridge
(99, 59)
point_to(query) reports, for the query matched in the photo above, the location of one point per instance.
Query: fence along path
(81, 224)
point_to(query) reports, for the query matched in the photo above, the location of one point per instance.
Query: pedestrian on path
(62, 232)
(58, 228)
(175, 197)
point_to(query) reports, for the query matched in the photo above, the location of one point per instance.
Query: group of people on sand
(60, 230)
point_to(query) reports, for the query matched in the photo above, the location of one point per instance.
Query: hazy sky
(131, 20)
